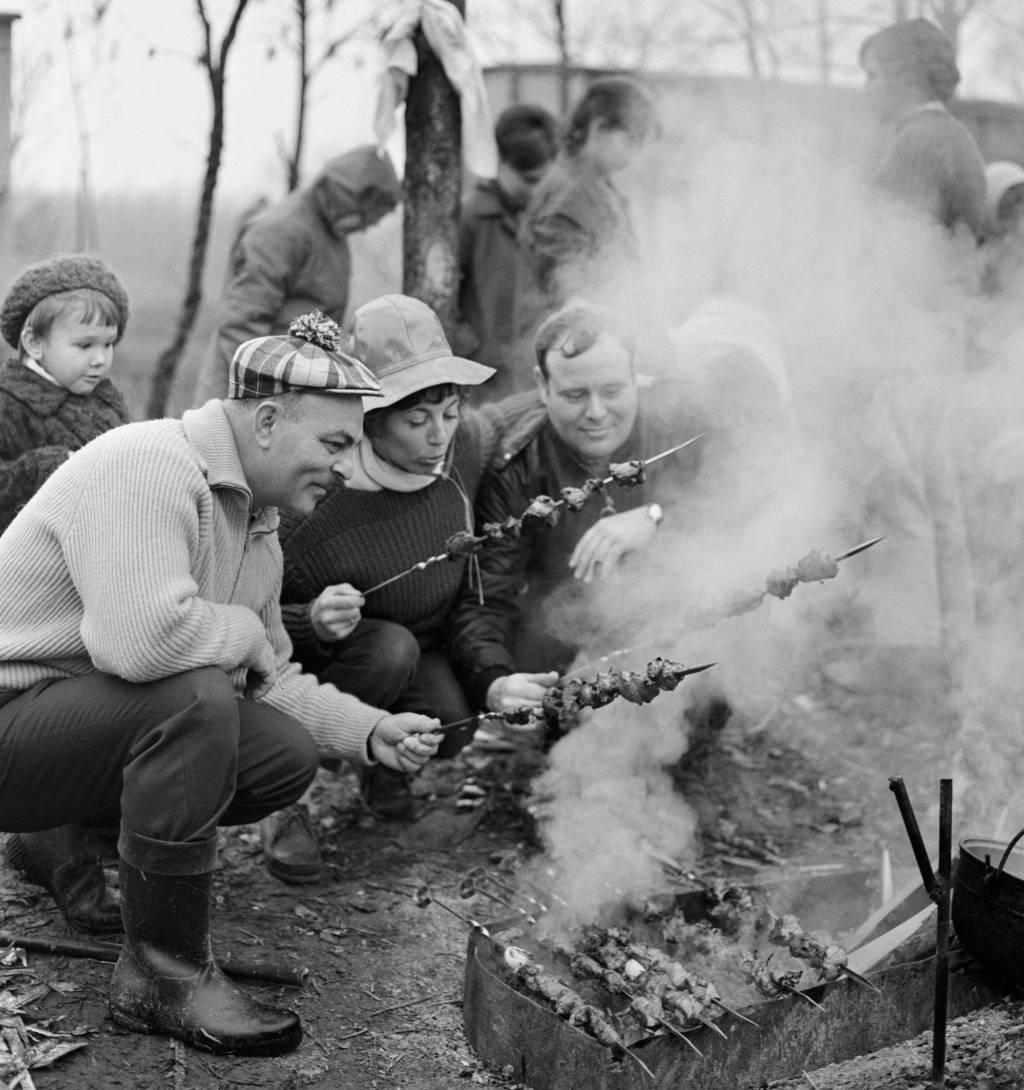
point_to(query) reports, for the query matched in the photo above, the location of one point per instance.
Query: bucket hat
(401, 340)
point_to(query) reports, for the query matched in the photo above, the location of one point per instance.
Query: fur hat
(306, 360)
(65, 272)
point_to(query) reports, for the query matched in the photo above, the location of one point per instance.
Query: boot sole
(286, 1041)
(291, 874)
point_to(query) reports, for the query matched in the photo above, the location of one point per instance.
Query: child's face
(77, 354)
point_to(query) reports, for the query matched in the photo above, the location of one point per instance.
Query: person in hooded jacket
(294, 257)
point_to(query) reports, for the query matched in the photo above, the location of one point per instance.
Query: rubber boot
(166, 981)
(63, 861)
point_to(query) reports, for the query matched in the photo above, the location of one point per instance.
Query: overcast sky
(144, 101)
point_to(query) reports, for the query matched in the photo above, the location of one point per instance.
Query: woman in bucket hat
(417, 469)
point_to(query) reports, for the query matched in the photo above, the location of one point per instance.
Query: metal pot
(988, 904)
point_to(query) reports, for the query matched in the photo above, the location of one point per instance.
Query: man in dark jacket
(590, 411)
(490, 261)
(294, 257)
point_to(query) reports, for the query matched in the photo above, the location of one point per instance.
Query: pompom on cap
(306, 359)
(64, 272)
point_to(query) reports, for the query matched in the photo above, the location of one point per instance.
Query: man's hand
(598, 551)
(519, 690)
(335, 612)
(404, 741)
(261, 674)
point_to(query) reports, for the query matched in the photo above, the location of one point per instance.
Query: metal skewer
(859, 548)
(538, 713)
(803, 995)
(420, 565)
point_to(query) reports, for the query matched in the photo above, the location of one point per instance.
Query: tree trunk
(433, 185)
(169, 360)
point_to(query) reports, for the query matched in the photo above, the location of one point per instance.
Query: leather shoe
(387, 792)
(291, 850)
(61, 861)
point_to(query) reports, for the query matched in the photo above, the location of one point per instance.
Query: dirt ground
(806, 785)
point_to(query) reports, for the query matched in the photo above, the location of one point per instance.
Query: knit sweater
(141, 557)
(40, 424)
(363, 538)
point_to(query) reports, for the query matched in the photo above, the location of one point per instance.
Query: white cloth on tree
(445, 31)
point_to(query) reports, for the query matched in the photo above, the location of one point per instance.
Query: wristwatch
(655, 513)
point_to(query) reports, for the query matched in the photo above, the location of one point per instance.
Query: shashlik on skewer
(542, 509)
(646, 1009)
(642, 959)
(567, 1003)
(815, 567)
(734, 906)
(684, 1005)
(563, 702)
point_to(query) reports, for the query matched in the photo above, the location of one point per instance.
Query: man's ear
(264, 420)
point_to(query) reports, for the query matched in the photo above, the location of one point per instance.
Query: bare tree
(433, 178)
(312, 38)
(213, 60)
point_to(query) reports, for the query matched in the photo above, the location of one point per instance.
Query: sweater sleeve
(134, 526)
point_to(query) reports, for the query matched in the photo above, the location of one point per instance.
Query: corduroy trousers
(171, 759)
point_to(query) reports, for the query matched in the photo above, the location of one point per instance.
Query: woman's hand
(335, 612)
(404, 741)
(519, 690)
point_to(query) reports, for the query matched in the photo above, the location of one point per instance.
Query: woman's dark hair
(572, 330)
(916, 53)
(617, 101)
(432, 395)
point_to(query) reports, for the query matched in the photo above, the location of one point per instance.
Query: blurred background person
(578, 233)
(490, 260)
(927, 159)
(294, 257)
(1003, 252)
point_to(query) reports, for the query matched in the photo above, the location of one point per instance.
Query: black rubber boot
(63, 861)
(165, 980)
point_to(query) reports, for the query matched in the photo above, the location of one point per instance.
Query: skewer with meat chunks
(734, 906)
(647, 1010)
(610, 953)
(568, 1004)
(815, 567)
(542, 509)
(563, 702)
(771, 984)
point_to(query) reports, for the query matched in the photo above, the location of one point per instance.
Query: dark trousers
(381, 662)
(172, 759)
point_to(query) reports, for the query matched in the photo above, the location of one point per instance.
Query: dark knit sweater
(363, 538)
(40, 424)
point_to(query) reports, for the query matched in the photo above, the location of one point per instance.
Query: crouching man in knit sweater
(145, 673)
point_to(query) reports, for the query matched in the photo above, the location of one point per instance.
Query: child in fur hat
(63, 316)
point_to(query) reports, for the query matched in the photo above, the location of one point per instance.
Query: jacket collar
(209, 434)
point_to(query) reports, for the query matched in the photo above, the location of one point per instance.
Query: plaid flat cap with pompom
(307, 360)
(65, 272)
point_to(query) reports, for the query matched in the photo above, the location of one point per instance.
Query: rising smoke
(861, 385)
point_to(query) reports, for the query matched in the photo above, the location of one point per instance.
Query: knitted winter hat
(65, 272)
